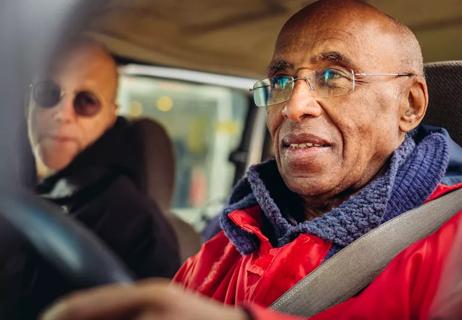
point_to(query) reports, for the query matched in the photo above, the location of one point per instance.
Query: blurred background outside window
(205, 123)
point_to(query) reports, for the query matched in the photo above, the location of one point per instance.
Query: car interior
(186, 67)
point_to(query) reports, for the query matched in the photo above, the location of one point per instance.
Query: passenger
(347, 159)
(86, 162)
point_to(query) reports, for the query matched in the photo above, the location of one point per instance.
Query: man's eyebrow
(279, 65)
(335, 58)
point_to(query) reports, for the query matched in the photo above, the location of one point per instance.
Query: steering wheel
(61, 241)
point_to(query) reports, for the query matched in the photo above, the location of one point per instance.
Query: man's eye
(280, 82)
(331, 74)
(333, 78)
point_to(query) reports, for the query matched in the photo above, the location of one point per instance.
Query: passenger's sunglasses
(48, 94)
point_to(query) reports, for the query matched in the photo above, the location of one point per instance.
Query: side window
(205, 124)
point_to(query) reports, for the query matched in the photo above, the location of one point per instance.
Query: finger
(109, 302)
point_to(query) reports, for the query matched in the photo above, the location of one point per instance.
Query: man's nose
(302, 102)
(64, 111)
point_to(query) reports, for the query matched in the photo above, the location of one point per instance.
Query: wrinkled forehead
(349, 41)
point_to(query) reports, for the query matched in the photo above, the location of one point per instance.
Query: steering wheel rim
(63, 242)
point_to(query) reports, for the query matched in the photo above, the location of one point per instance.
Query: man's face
(59, 133)
(329, 146)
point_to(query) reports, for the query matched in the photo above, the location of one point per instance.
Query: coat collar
(412, 173)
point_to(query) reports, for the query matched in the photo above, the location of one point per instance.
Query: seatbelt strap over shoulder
(355, 266)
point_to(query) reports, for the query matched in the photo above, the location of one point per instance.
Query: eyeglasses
(330, 82)
(48, 94)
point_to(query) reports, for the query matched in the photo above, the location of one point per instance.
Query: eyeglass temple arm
(407, 74)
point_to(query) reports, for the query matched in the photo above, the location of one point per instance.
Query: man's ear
(413, 105)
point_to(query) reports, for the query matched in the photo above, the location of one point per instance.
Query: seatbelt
(354, 267)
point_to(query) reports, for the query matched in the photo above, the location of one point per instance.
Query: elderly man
(85, 163)
(344, 94)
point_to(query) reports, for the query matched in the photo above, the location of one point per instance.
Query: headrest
(444, 81)
(157, 166)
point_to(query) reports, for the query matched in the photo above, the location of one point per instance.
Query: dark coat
(99, 189)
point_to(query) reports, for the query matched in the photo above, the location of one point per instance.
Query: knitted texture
(411, 175)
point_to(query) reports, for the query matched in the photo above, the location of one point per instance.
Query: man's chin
(58, 160)
(60, 164)
(310, 186)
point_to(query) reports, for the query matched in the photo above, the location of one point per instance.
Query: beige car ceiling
(237, 36)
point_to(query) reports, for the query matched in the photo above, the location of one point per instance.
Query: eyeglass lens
(47, 94)
(86, 104)
(326, 83)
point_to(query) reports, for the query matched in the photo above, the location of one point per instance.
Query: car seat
(444, 81)
(444, 88)
(156, 178)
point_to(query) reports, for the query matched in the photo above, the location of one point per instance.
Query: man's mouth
(61, 138)
(303, 141)
(57, 138)
(305, 145)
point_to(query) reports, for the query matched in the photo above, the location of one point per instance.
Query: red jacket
(404, 290)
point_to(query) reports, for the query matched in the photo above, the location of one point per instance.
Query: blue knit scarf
(412, 173)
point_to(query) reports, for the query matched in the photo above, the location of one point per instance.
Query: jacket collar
(412, 173)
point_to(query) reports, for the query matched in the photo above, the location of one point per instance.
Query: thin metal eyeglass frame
(353, 80)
